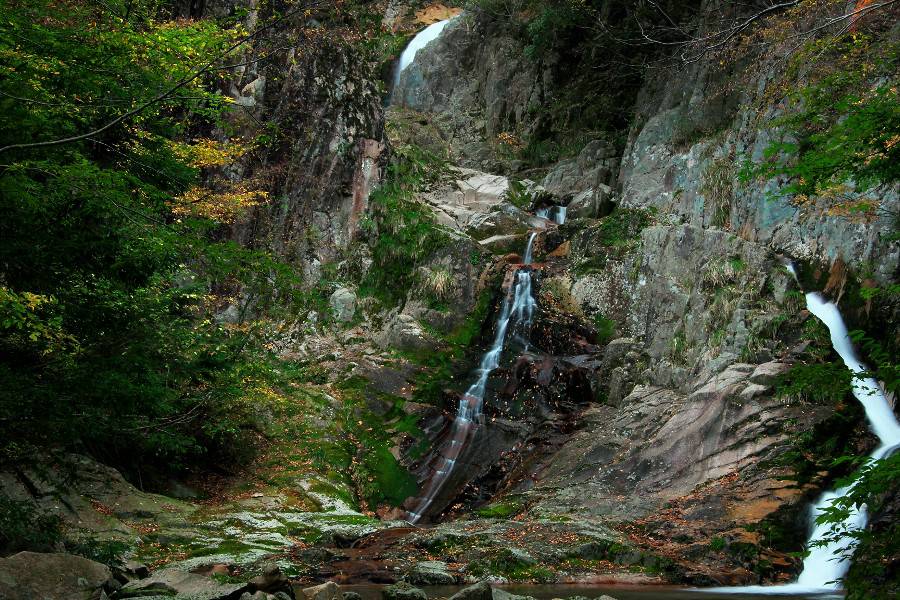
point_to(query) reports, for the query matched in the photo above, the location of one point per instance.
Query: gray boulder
(184, 585)
(403, 591)
(53, 576)
(273, 580)
(430, 572)
(480, 591)
(343, 304)
(591, 203)
(327, 591)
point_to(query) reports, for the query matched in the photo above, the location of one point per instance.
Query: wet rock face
(530, 409)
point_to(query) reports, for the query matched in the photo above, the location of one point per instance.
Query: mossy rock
(403, 591)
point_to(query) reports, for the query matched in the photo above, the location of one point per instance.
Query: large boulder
(591, 203)
(595, 165)
(430, 572)
(180, 584)
(272, 581)
(327, 591)
(483, 191)
(54, 576)
(480, 591)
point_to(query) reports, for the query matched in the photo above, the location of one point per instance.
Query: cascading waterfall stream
(518, 310)
(826, 564)
(516, 314)
(557, 214)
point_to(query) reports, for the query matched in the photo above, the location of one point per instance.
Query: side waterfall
(827, 564)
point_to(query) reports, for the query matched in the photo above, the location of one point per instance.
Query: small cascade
(516, 314)
(422, 39)
(826, 565)
(557, 214)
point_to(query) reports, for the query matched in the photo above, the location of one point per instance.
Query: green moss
(507, 564)
(606, 328)
(623, 226)
(444, 366)
(403, 231)
(500, 510)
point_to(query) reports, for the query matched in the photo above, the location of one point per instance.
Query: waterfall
(421, 40)
(560, 216)
(826, 565)
(517, 311)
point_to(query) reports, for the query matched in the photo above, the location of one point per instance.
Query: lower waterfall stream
(827, 563)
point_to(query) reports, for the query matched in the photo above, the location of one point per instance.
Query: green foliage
(606, 328)
(108, 341)
(885, 368)
(718, 188)
(406, 234)
(551, 25)
(870, 487)
(623, 226)
(518, 196)
(23, 527)
(822, 383)
(840, 128)
(717, 544)
(107, 552)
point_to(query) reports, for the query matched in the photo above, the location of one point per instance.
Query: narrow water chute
(517, 312)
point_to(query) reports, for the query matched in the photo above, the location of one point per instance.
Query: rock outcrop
(31, 575)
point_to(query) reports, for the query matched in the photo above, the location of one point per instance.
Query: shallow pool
(621, 592)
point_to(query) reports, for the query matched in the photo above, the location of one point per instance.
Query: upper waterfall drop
(422, 39)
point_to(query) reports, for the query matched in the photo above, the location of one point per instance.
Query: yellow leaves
(434, 13)
(222, 206)
(862, 210)
(834, 201)
(206, 153)
(510, 139)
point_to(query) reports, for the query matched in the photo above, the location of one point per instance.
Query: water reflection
(622, 592)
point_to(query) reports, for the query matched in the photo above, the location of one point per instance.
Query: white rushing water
(421, 40)
(557, 214)
(826, 564)
(517, 312)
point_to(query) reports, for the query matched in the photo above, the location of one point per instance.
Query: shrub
(22, 527)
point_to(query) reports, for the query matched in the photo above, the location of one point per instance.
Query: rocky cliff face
(689, 271)
(642, 427)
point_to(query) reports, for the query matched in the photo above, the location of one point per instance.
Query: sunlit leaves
(221, 206)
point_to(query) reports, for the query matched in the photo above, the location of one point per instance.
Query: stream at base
(619, 592)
